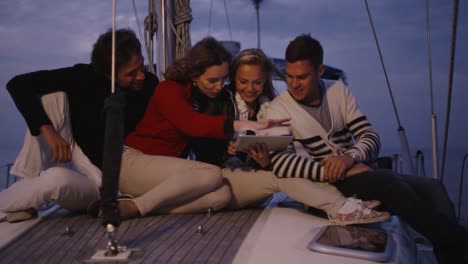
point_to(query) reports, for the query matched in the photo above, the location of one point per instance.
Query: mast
(165, 36)
(173, 34)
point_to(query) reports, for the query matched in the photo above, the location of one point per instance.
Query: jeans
(399, 197)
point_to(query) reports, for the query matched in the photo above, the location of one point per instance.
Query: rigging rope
(383, 65)
(228, 21)
(209, 17)
(450, 84)
(429, 55)
(401, 131)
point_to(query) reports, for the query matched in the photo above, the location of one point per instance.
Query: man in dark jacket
(63, 109)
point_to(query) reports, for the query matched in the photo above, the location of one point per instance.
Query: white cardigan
(243, 110)
(350, 133)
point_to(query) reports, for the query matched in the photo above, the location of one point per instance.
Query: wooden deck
(279, 233)
(157, 239)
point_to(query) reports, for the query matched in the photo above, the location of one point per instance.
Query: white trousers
(73, 185)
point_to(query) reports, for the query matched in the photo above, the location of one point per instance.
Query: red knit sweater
(170, 121)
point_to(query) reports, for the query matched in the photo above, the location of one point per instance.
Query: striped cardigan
(351, 133)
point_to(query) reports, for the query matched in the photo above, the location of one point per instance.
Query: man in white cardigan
(334, 142)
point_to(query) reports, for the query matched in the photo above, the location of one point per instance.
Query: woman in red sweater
(155, 168)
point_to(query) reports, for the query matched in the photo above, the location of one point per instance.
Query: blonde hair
(257, 57)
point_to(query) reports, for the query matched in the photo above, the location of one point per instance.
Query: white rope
(182, 21)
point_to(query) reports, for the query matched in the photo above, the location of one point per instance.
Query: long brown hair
(204, 54)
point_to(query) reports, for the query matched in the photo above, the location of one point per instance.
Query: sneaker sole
(363, 221)
(20, 216)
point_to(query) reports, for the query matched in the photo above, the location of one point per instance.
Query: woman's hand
(277, 123)
(240, 125)
(260, 154)
(231, 150)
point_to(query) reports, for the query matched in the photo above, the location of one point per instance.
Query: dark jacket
(86, 91)
(210, 150)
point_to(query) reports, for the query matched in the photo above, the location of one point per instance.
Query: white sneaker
(353, 211)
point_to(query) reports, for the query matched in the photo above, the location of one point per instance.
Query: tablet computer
(353, 241)
(274, 143)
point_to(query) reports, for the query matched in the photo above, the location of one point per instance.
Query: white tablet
(274, 143)
(354, 241)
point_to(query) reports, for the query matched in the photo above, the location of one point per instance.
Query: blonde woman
(248, 174)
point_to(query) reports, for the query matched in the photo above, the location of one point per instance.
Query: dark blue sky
(44, 34)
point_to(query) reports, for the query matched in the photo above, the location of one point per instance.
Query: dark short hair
(204, 54)
(126, 46)
(305, 47)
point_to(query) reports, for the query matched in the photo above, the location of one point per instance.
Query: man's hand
(357, 168)
(61, 151)
(336, 167)
(260, 154)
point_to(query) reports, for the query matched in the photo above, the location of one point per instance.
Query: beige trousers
(253, 186)
(164, 184)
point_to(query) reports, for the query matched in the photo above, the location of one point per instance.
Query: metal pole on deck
(111, 151)
(435, 158)
(114, 106)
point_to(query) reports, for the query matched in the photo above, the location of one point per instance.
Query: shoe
(372, 204)
(20, 216)
(94, 208)
(354, 212)
(125, 197)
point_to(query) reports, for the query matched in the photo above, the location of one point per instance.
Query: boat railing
(9, 179)
(420, 167)
(398, 164)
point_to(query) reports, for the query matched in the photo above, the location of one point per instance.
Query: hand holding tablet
(274, 143)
